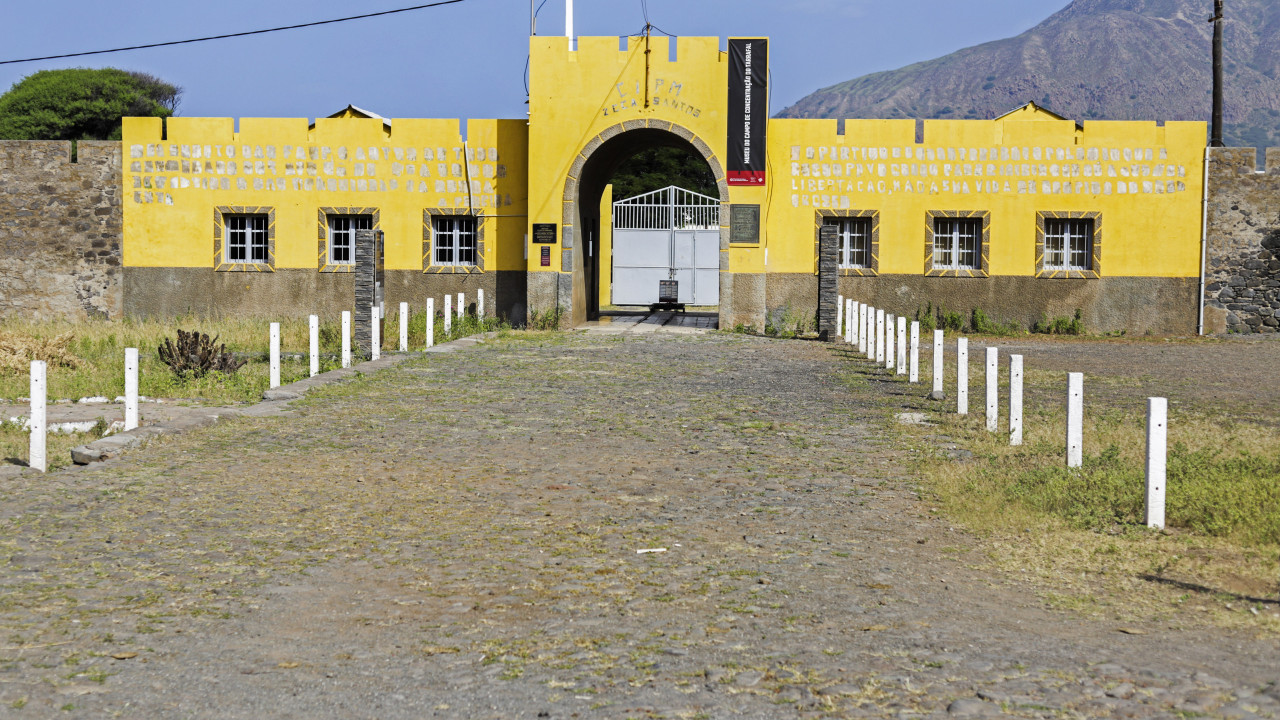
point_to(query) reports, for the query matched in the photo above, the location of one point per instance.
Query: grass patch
(86, 359)
(1081, 533)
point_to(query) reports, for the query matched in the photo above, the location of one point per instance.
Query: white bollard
(404, 327)
(915, 351)
(937, 361)
(1015, 399)
(879, 358)
(462, 305)
(1157, 456)
(902, 345)
(1075, 419)
(840, 315)
(889, 355)
(862, 327)
(430, 322)
(346, 338)
(853, 322)
(275, 355)
(313, 324)
(871, 333)
(480, 304)
(993, 388)
(38, 455)
(130, 389)
(962, 376)
(375, 333)
(448, 314)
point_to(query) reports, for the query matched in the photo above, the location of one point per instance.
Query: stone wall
(1242, 274)
(60, 230)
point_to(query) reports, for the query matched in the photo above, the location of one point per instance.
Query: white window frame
(955, 238)
(342, 236)
(855, 241)
(454, 241)
(246, 236)
(1068, 244)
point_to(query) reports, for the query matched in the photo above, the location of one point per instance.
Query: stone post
(828, 273)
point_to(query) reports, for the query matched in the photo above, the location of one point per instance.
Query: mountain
(1092, 60)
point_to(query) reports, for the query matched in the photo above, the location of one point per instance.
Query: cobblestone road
(462, 536)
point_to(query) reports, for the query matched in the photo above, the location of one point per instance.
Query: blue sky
(467, 60)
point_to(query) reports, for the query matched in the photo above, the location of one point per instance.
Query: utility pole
(1215, 139)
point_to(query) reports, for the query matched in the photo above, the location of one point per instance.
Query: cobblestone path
(462, 537)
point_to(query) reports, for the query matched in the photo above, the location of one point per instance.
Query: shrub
(1060, 325)
(196, 355)
(549, 320)
(928, 322)
(17, 351)
(982, 323)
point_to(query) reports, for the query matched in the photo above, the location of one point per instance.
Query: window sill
(245, 267)
(453, 270)
(1052, 274)
(338, 268)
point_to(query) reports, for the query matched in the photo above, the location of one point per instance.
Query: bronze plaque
(744, 224)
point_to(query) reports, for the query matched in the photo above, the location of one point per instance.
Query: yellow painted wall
(577, 94)
(171, 185)
(606, 246)
(1041, 163)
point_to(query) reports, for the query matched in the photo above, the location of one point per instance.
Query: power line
(232, 35)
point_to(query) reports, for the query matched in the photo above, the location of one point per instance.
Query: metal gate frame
(673, 209)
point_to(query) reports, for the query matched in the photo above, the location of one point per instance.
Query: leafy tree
(82, 104)
(657, 168)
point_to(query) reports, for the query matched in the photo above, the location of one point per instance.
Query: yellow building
(1022, 216)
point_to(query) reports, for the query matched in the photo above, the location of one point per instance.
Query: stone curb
(274, 403)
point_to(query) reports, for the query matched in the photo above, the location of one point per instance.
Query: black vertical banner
(748, 110)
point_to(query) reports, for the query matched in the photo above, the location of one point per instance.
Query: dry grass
(18, 350)
(1070, 537)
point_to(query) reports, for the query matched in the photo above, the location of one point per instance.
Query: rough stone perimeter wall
(60, 230)
(1242, 274)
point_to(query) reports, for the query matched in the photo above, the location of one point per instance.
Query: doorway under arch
(584, 189)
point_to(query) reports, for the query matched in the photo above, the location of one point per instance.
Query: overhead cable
(232, 35)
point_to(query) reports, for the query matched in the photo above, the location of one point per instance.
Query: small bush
(1060, 325)
(196, 355)
(928, 321)
(982, 323)
(17, 351)
(952, 321)
(549, 320)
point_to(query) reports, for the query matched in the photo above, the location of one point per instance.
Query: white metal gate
(668, 234)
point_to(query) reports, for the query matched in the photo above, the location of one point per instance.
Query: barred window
(454, 241)
(957, 243)
(1068, 244)
(246, 238)
(342, 237)
(855, 241)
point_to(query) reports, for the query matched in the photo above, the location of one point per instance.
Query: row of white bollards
(871, 331)
(37, 451)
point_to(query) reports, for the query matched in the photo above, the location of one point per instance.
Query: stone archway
(584, 186)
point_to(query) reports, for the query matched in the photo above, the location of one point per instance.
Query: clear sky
(467, 60)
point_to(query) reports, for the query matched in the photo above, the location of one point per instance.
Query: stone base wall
(201, 292)
(60, 230)
(1242, 264)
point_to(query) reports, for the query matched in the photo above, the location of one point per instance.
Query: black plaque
(744, 224)
(545, 233)
(546, 257)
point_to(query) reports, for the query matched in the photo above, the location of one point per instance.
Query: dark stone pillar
(367, 280)
(828, 274)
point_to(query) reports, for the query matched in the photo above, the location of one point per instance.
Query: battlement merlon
(301, 131)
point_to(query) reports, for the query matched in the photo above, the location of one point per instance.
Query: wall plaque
(545, 233)
(546, 257)
(744, 224)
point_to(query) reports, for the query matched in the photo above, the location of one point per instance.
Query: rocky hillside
(1094, 59)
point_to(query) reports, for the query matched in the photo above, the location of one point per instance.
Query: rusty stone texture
(1242, 263)
(60, 230)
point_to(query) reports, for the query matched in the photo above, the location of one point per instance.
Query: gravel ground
(459, 537)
